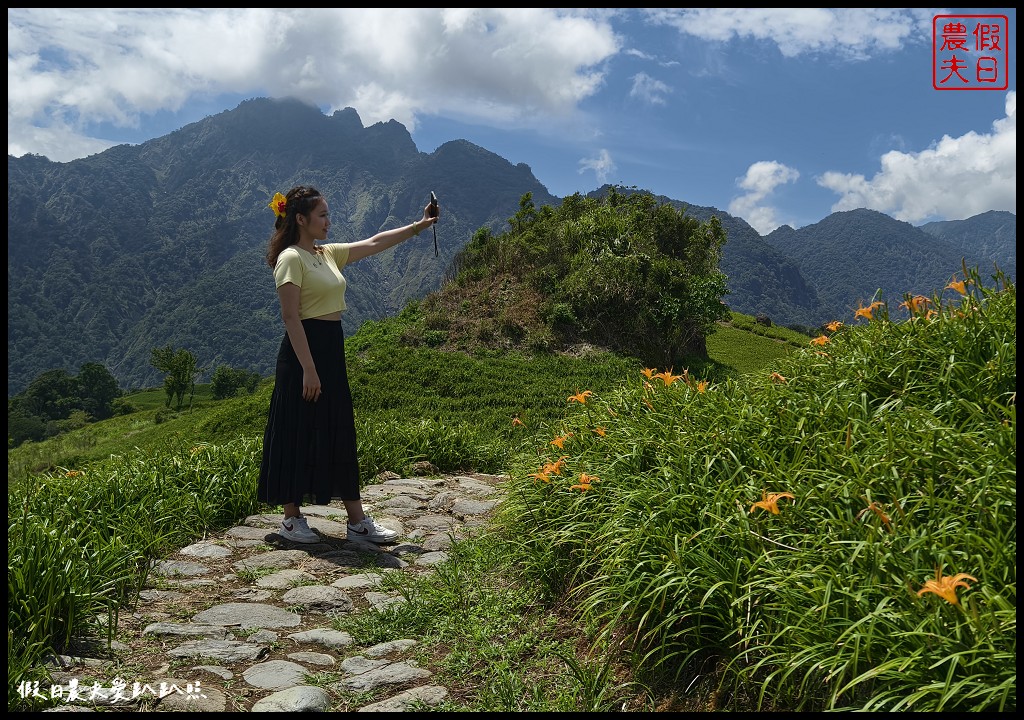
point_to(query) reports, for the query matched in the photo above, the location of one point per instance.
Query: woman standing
(309, 446)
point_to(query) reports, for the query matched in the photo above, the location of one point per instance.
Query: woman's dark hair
(301, 200)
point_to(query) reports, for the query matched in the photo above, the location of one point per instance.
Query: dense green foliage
(621, 271)
(80, 542)
(839, 534)
(57, 402)
(227, 382)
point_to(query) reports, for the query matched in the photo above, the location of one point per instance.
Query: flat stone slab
(228, 651)
(156, 595)
(430, 695)
(302, 698)
(205, 549)
(284, 579)
(179, 567)
(325, 511)
(273, 559)
(398, 673)
(312, 658)
(218, 632)
(244, 532)
(333, 639)
(462, 508)
(275, 675)
(248, 615)
(434, 522)
(321, 598)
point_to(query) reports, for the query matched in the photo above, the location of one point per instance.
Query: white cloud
(855, 33)
(71, 69)
(602, 166)
(648, 89)
(760, 181)
(953, 179)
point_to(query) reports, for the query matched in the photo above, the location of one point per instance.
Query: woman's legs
(354, 508)
(357, 529)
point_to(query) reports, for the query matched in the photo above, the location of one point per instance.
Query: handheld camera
(433, 212)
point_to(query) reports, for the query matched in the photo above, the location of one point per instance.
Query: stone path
(240, 621)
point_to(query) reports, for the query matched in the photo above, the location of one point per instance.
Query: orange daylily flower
(554, 468)
(916, 304)
(540, 475)
(770, 501)
(72, 473)
(820, 340)
(600, 431)
(585, 483)
(648, 373)
(702, 386)
(868, 313)
(668, 378)
(959, 285)
(776, 377)
(559, 442)
(873, 507)
(581, 397)
(945, 587)
(833, 326)
(517, 421)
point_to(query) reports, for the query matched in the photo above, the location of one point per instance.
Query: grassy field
(796, 525)
(401, 389)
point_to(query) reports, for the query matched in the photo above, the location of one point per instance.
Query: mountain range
(163, 243)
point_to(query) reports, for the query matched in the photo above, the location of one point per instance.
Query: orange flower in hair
(279, 205)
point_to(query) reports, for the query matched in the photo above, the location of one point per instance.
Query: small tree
(23, 426)
(228, 382)
(181, 370)
(98, 389)
(52, 396)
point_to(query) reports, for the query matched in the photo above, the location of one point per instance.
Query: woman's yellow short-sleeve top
(318, 277)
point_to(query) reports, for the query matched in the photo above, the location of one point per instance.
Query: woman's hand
(311, 389)
(428, 214)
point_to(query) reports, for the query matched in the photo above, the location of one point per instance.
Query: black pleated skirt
(309, 448)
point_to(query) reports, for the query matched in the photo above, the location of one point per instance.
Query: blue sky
(778, 116)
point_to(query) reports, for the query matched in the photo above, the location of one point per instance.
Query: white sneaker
(297, 529)
(370, 529)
